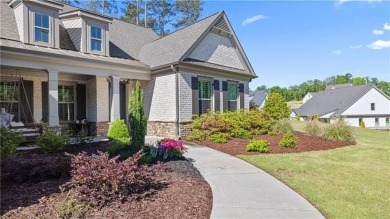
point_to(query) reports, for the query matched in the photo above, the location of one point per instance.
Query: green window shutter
(241, 94)
(217, 96)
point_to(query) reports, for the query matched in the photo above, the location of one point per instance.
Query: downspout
(177, 101)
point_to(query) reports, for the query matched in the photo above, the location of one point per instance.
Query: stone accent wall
(162, 129)
(98, 128)
(219, 50)
(184, 129)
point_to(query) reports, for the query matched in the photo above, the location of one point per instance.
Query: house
(61, 64)
(351, 103)
(257, 98)
(308, 96)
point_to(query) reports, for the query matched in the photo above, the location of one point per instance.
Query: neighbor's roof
(335, 86)
(258, 97)
(333, 100)
(171, 48)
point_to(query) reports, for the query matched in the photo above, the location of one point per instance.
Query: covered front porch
(66, 92)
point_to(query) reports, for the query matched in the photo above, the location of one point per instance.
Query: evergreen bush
(136, 117)
(119, 132)
(261, 146)
(276, 106)
(288, 140)
(9, 140)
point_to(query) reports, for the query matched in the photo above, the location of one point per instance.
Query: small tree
(136, 117)
(276, 106)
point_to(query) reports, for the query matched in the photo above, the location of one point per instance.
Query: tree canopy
(297, 92)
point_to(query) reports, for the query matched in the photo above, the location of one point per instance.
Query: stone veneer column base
(161, 129)
(184, 128)
(98, 128)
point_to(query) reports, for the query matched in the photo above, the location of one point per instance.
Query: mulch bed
(306, 143)
(185, 193)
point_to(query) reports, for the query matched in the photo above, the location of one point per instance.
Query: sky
(289, 42)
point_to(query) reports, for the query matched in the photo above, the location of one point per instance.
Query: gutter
(177, 101)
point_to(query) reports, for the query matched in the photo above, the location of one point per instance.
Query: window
(41, 28)
(9, 98)
(96, 39)
(376, 121)
(372, 106)
(388, 121)
(204, 87)
(232, 96)
(66, 99)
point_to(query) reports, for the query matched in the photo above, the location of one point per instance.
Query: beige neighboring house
(61, 64)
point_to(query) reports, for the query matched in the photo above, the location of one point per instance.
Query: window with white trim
(232, 95)
(96, 39)
(372, 106)
(387, 121)
(9, 98)
(41, 28)
(66, 102)
(376, 122)
(204, 88)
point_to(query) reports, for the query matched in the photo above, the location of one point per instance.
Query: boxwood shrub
(261, 146)
(288, 140)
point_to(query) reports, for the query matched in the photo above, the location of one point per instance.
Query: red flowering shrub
(99, 179)
(171, 148)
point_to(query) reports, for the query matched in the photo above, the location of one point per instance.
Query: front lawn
(348, 182)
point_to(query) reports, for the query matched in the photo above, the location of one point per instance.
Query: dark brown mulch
(185, 193)
(237, 146)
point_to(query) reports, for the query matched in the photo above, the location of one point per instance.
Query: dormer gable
(88, 31)
(37, 21)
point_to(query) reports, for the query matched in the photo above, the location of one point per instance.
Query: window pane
(96, 32)
(96, 45)
(66, 111)
(45, 21)
(38, 34)
(204, 89)
(232, 91)
(38, 20)
(45, 36)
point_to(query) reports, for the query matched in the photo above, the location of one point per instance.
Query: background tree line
(163, 16)
(297, 92)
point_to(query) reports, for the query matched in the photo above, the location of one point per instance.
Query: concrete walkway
(241, 190)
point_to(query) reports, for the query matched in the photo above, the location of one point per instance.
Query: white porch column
(53, 98)
(114, 97)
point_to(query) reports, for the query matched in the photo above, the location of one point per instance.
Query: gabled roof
(171, 48)
(258, 97)
(335, 86)
(334, 101)
(8, 28)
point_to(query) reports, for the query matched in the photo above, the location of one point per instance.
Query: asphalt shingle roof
(8, 28)
(171, 48)
(334, 100)
(257, 97)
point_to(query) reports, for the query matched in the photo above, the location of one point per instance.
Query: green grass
(349, 182)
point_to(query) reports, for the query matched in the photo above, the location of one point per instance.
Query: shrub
(339, 132)
(83, 138)
(51, 142)
(9, 140)
(298, 118)
(69, 208)
(276, 106)
(218, 138)
(136, 117)
(315, 118)
(170, 148)
(118, 132)
(312, 127)
(99, 179)
(362, 124)
(281, 126)
(288, 140)
(241, 124)
(261, 146)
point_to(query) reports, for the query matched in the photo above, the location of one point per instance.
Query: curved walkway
(241, 190)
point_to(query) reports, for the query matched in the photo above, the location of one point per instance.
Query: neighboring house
(258, 98)
(308, 96)
(353, 104)
(61, 64)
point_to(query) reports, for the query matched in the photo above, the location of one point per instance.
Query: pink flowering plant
(170, 148)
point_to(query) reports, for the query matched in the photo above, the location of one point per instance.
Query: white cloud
(386, 26)
(377, 32)
(253, 19)
(336, 52)
(356, 47)
(379, 44)
(340, 2)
